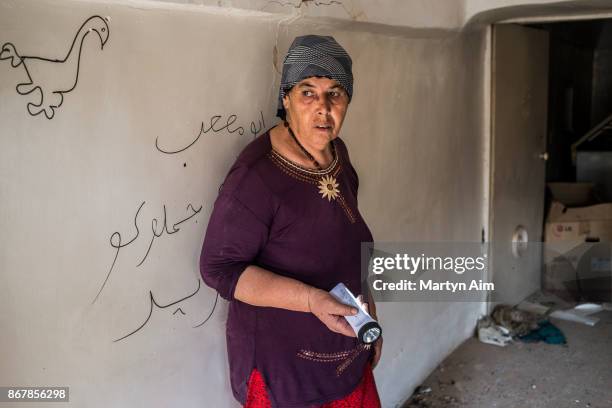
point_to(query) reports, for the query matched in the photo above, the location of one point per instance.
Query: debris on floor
(507, 323)
(527, 322)
(580, 314)
(422, 389)
(526, 373)
(517, 322)
(546, 332)
(423, 398)
(491, 333)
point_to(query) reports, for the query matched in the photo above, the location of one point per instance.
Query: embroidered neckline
(312, 172)
(314, 177)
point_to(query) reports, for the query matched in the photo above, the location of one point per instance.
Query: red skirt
(364, 396)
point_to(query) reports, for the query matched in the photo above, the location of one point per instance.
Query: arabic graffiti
(262, 124)
(157, 234)
(52, 78)
(117, 242)
(215, 127)
(153, 303)
(210, 314)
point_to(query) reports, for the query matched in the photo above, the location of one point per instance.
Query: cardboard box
(578, 252)
(579, 224)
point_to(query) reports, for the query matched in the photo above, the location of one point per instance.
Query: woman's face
(315, 109)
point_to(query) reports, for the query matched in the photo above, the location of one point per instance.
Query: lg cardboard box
(577, 252)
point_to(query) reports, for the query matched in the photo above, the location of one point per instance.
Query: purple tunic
(270, 213)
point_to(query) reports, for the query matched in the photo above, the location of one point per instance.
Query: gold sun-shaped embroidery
(328, 188)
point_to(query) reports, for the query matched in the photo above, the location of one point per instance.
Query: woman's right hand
(330, 311)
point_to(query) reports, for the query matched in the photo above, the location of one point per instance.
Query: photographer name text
(430, 285)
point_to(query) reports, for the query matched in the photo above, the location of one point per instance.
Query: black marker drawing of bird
(49, 78)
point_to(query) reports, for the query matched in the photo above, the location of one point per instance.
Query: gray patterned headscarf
(315, 55)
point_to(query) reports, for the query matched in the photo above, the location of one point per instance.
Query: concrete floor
(523, 375)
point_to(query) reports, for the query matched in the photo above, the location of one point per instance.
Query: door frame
(487, 121)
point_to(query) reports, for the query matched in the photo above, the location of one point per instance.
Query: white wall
(67, 184)
(414, 130)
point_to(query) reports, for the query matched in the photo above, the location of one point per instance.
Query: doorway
(551, 84)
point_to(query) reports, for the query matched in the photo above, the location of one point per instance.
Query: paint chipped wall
(401, 13)
(434, 14)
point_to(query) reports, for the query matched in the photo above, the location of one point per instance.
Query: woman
(285, 229)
